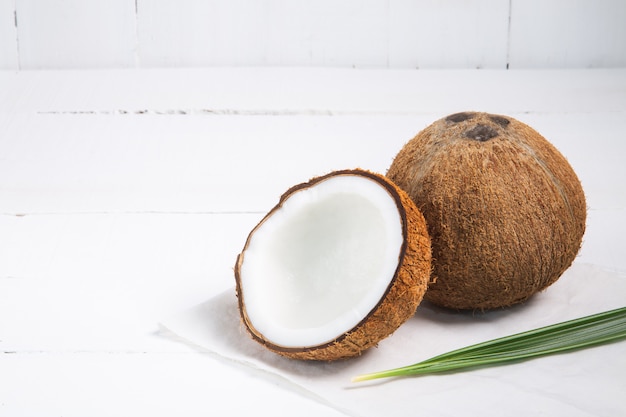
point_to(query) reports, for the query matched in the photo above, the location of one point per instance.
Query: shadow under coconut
(432, 312)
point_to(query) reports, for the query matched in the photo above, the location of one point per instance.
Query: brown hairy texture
(505, 210)
(404, 294)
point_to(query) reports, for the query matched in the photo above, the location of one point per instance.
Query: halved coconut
(339, 264)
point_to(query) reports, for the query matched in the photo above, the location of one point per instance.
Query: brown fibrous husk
(505, 210)
(405, 292)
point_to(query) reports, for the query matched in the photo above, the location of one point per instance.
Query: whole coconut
(505, 211)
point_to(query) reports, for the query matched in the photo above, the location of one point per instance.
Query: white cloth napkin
(589, 382)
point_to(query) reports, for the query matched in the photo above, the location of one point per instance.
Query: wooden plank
(310, 91)
(566, 34)
(101, 282)
(448, 34)
(155, 141)
(395, 34)
(87, 163)
(376, 33)
(107, 384)
(234, 33)
(8, 37)
(76, 34)
(329, 34)
(174, 33)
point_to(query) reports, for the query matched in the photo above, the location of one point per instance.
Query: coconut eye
(481, 133)
(502, 121)
(459, 117)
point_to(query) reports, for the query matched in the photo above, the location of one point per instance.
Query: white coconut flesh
(320, 263)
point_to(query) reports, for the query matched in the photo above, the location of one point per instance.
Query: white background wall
(42, 34)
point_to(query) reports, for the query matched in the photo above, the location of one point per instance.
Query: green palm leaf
(570, 335)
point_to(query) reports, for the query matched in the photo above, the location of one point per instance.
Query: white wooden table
(126, 195)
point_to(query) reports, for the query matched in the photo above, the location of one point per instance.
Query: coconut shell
(404, 293)
(505, 210)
